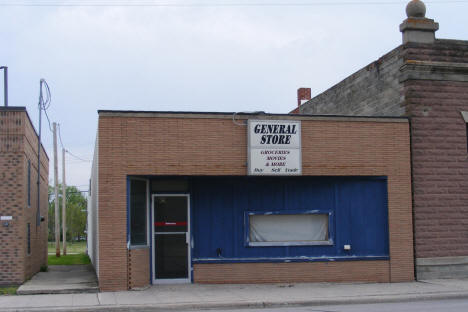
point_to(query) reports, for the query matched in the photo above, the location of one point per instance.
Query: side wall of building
(435, 79)
(93, 215)
(24, 243)
(372, 91)
(433, 82)
(212, 145)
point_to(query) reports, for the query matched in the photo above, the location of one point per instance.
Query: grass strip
(69, 259)
(8, 290)
(72, 247)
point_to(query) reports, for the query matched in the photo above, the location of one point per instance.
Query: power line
(68, 152)
(149, 3)
(60, 136)
(44, 103)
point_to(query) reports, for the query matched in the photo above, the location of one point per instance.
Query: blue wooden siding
(358, 207)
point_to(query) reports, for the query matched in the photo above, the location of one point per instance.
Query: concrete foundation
(440, 268)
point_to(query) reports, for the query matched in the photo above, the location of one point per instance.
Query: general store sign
(274, 147)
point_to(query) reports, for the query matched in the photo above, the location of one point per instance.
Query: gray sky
(190, 57)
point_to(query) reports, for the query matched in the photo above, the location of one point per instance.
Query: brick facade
(138, 268)
(18, 150)
(431, 80)
(302, 272)
(132, 143)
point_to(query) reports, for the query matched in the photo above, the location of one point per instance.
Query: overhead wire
(63, 146)
(66, 150)
(79, 158)
(60, 137)
(152, 3)
(44, 104)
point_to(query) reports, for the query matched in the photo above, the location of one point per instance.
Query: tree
(76, 213)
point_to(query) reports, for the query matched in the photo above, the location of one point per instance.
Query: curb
(251, 304)
(63, 291)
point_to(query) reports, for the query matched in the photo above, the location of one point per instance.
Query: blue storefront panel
(356, 206)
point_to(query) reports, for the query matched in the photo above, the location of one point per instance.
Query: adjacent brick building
(174, 199)
(23, 235)
(425, 79)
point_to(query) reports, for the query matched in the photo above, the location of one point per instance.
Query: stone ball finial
(416, 8)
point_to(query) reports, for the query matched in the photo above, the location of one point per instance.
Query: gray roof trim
(245, 116)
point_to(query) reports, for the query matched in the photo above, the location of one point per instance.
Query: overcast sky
(194, 56)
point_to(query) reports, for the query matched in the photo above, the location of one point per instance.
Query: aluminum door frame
(188, 239)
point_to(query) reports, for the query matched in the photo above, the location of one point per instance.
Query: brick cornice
(429, 70)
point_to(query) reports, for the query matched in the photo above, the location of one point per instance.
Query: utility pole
(57, 217)
(64, 205)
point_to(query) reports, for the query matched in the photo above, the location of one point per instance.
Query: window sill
(139, 247)
(289, 260)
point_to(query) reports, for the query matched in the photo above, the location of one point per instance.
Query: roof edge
(244, 115)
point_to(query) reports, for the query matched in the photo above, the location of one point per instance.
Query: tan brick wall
(217, 146)
(18, 143)
(138, 267)
(299, 272)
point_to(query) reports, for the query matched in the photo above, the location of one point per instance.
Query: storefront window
(138, 212)
(278, 229)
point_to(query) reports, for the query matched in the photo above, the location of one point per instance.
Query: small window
(282, 229)
(465, 117)
(29, 238)
(138, 212)
(29, 183)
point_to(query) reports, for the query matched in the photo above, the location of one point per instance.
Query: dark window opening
(29, 183)
(169, 185)
(29, 238)
(138, 212)
(465, 118)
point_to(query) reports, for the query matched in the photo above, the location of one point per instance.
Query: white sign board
(274, 147)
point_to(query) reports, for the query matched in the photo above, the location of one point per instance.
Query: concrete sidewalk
(195, 296)
(62, 279)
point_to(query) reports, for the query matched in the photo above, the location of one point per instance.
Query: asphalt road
(455, 305)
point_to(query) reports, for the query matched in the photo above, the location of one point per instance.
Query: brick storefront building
(173, 199)
(425, 79)
(23, 236)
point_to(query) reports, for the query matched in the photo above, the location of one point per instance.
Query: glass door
(171, 238)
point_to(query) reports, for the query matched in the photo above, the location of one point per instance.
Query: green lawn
(72, 247)
(10, 290)
(68, 259)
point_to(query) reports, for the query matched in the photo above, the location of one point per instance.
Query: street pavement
(197, 296)
(451, 305)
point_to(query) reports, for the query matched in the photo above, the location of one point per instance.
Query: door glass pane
(171, 256)
(171, 214)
